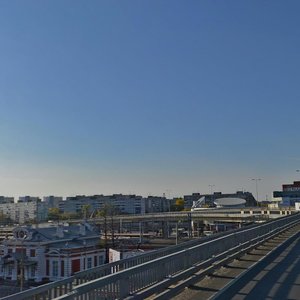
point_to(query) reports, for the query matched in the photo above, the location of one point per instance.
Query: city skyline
(148, 97)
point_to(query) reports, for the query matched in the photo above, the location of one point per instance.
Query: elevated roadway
(247, 214)
(270, 271)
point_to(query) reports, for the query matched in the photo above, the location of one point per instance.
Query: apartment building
(26, 209)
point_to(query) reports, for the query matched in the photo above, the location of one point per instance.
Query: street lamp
(211, 193)
(256, 180)
(211, 188)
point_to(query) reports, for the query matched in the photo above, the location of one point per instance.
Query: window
(55, 268)
(32, 252)
(47, 267)
(95, 261)
(10, 268)
(101, 260)
(89, 262)
(32, 272)
(62, 273)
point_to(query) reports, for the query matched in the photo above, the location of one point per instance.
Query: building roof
(229, 201)
(55, 234)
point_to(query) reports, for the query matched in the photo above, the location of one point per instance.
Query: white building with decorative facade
(50, 253)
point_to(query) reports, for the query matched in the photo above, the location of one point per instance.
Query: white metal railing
(125, 277)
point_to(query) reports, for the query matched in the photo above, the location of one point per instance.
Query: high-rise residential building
(52, 201)
(27, 209)
(4, 200)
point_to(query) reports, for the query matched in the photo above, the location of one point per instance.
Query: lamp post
(68, 257)
(211, 194)
(256, 186)
(168, 196)
(211, 188)
(84, 258)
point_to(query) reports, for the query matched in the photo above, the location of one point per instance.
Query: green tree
(4, 219)
(179, 205)
(53, 213)
(85, 210)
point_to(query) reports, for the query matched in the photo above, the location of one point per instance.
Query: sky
(148, 97)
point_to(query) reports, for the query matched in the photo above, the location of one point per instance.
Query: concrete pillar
(141, 231)
(121, 226)
(164, 227)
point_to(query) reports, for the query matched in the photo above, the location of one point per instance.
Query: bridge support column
(190, 224)
(164, 227)
(121, 226)
(141, 231)
(197, 228)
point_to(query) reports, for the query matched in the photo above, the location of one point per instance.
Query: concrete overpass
(228, 215)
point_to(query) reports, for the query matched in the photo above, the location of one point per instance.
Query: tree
(85, 210)
(5, 219)
(179, 205)
(107, 213)
(53, 213)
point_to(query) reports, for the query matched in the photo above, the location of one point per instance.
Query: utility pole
(21, 275)
(176, 233)
(211, 188)
(211, 194)
(105, 238)
(22, 269)
(112, 226)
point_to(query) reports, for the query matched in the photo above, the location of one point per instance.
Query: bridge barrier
(142, 267)
(129, 282)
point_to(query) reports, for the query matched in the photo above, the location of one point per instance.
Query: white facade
(22, 212)
(127, 204)
(116, 255)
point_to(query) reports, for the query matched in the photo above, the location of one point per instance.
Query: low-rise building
(50, 253)
(289, 195)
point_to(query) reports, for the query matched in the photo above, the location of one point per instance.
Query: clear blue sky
(148, 97)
